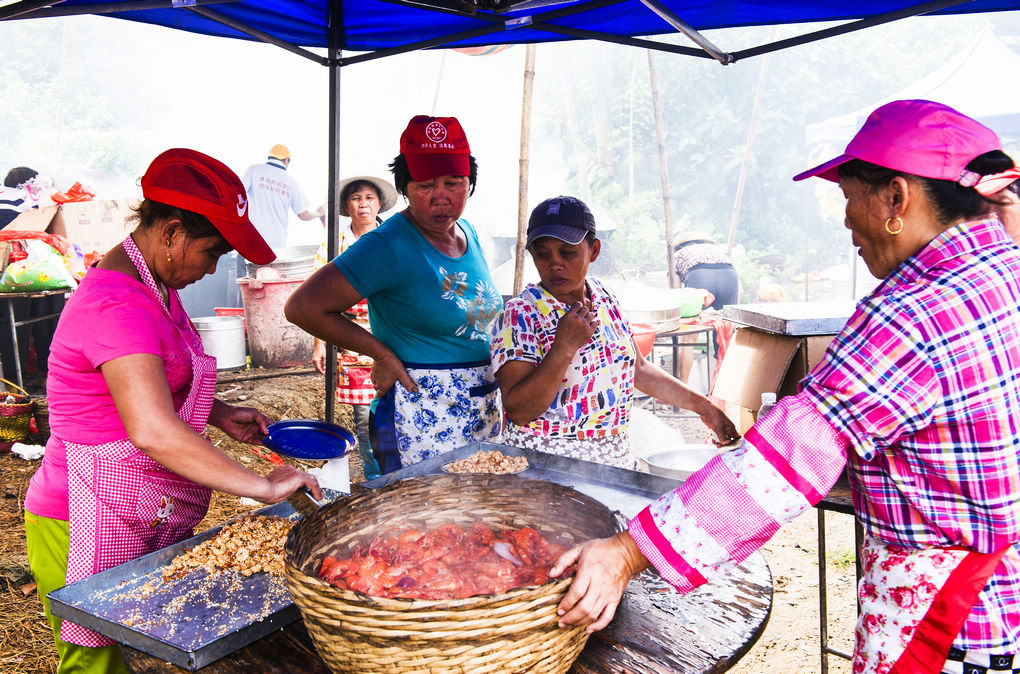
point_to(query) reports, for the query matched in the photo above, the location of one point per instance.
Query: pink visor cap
(922, 138)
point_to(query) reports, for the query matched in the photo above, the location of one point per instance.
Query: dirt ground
(789, 643)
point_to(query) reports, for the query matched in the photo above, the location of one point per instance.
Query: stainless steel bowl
(677, 462)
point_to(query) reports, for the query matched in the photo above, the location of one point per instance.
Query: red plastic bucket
(644, 337)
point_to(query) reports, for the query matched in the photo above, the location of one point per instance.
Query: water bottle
(768, 401)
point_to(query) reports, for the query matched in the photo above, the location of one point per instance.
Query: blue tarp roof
(369, 25)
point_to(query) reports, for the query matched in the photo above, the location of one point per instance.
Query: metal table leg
(823, 605)
(14, 342)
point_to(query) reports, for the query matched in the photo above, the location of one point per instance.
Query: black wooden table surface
(709, 631)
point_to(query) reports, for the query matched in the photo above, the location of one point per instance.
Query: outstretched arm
(142, 397)
(317, 307)
(651, 379)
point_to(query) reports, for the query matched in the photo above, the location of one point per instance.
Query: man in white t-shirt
(273, 194)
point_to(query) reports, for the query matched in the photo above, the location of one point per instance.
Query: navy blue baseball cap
(565, 218)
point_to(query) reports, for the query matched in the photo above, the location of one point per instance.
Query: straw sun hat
(387, 193)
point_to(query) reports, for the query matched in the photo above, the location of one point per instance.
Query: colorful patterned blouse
(595, 398)
(920, 395)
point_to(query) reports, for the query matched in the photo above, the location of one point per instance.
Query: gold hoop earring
(898, 229)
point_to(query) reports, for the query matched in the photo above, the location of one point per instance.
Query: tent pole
(522, 185)
(917, 10)
(255, 33)
(332, 198)
(667, 15)
(660, 136)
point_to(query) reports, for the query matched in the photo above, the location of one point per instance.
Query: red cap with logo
(435, 146)
(196, 182)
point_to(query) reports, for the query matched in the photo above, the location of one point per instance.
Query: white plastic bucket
(223, 337)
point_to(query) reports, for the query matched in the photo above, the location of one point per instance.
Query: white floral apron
(914, 602)
(123, 504)
(455, 405)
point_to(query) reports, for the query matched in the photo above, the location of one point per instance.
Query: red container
(644, 337)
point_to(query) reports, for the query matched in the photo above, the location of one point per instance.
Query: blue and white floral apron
(456, 404)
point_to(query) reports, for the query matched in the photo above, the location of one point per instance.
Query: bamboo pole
(522, 185)
(747, 150)
(660, 136)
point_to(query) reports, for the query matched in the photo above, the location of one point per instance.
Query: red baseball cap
(922, 138)
(196, 182)
(435, 146)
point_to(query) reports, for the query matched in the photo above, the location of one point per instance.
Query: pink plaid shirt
(919, 396)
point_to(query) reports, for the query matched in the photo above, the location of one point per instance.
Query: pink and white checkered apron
(122, 504)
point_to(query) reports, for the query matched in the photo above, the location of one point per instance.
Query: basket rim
(8, 382)
(298, 564)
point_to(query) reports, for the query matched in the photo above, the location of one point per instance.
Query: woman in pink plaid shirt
(918, 398)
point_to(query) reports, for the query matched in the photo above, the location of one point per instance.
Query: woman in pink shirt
(128, 467)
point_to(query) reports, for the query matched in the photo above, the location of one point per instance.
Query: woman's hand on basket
(284, 481)
(390, 369)
(604, 567)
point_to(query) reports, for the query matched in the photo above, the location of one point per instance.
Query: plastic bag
(76, 192)
(60, 243)
(37, 192)
(74, 259)
(43, 269)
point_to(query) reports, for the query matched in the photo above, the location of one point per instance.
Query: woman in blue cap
(565, 357)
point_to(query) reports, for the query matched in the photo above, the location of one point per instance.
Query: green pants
(48, 543)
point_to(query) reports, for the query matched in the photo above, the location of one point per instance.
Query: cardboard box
(758, 361)
(96, 225)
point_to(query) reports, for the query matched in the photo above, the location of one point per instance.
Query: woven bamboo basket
(15, 416)
(515, 631)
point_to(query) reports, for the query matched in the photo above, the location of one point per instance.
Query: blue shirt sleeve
(369, 264)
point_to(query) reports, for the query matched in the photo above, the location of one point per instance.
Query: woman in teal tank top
(431, 299)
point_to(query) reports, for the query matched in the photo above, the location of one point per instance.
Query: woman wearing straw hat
(917, 398)
(362, 198)
(430, 297)
(128, 467)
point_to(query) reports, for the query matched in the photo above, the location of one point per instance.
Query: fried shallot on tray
(248, 545)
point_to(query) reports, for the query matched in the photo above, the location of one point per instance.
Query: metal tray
(225, 613)
(800, 319)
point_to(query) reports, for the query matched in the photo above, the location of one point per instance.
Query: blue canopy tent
(355, 31)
